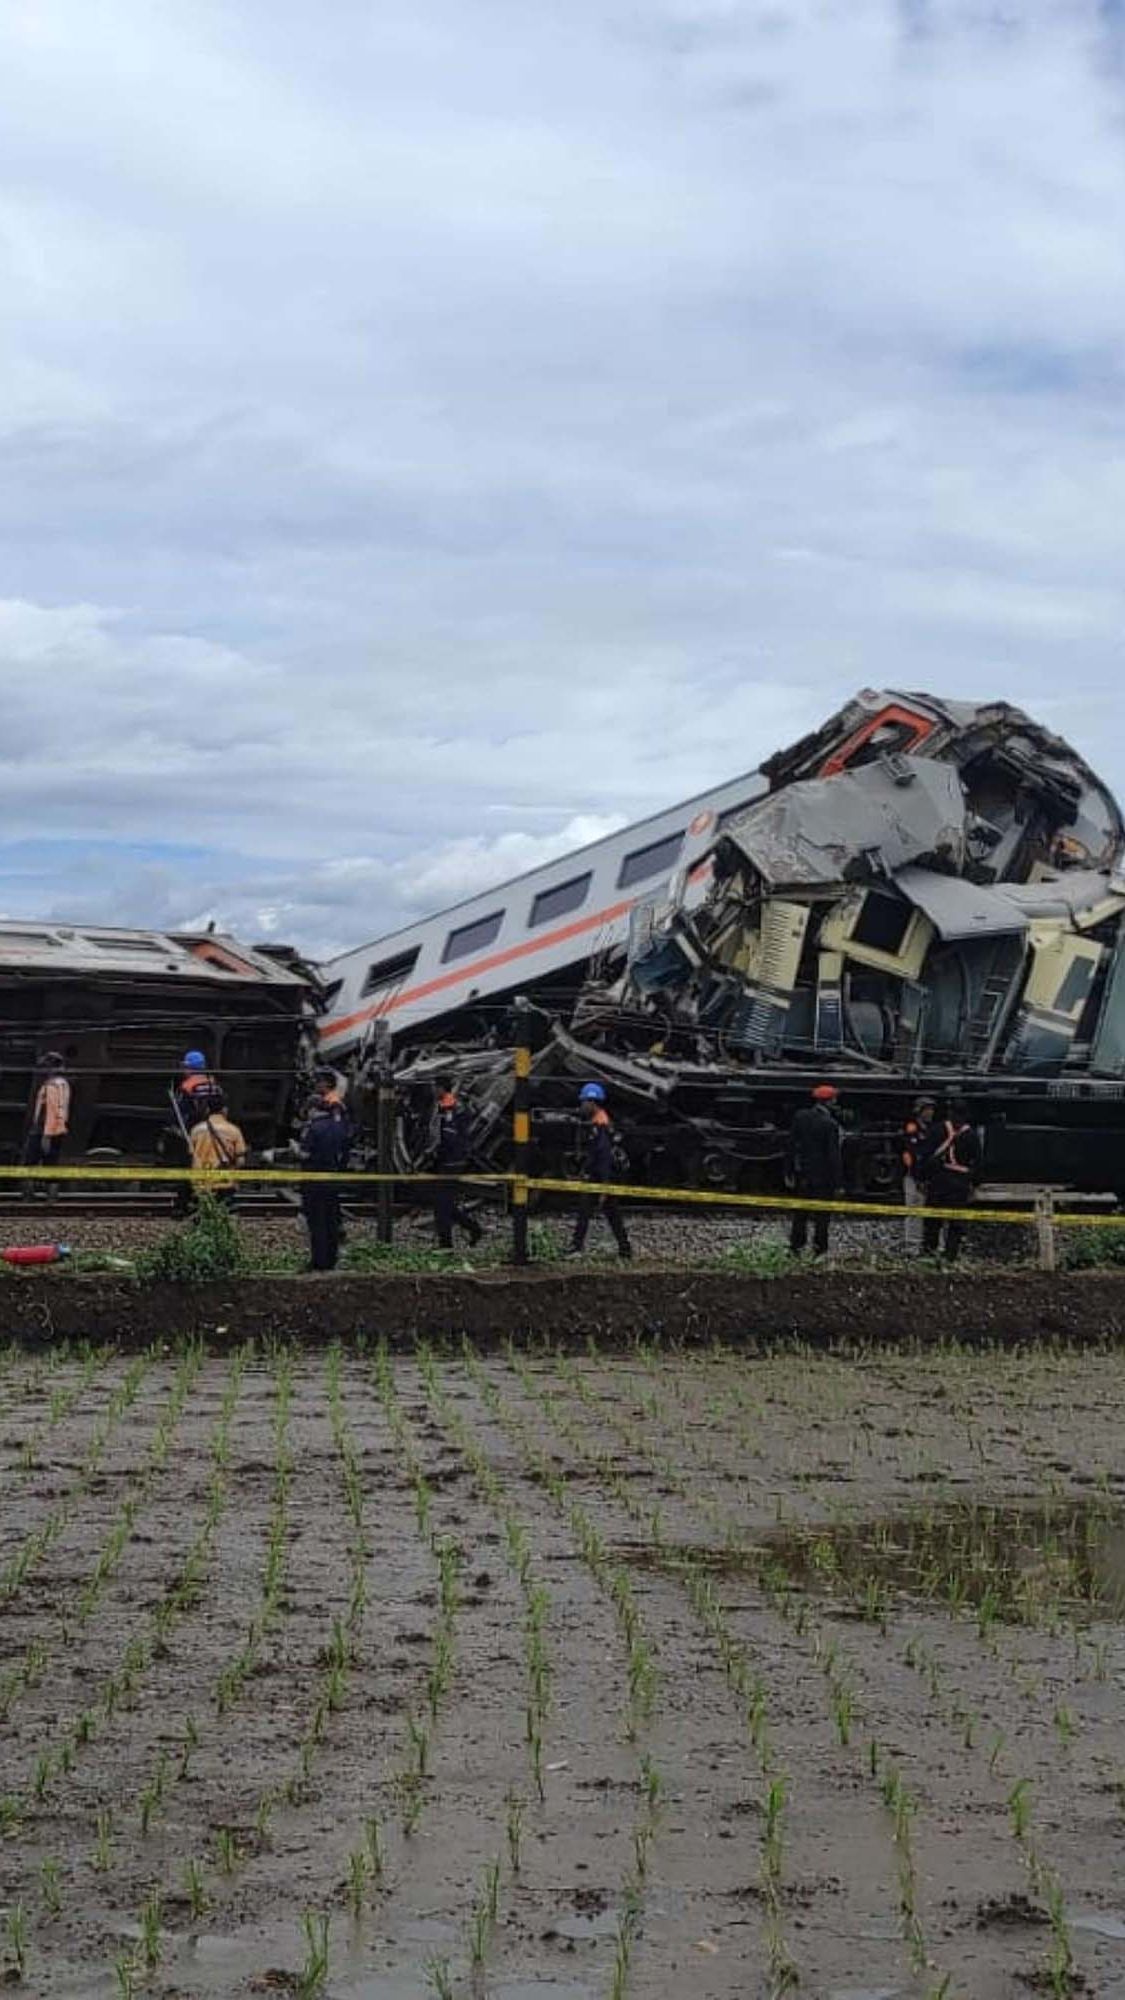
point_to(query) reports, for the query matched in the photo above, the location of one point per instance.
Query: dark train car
(122, 1006)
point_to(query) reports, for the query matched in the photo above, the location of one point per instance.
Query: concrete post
(1045, 1229)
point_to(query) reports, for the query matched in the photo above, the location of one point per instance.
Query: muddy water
(1013, 1561)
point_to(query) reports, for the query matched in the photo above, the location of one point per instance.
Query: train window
(882, 923)
(560, 900)
(390, 971)
(893, 729)
(658, 858)
(126, 947)
(472, 937)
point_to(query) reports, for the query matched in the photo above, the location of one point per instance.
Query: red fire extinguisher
(35, 1253)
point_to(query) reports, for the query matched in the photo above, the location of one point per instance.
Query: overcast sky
(434, 434)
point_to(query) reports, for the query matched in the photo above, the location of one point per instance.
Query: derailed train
(928, 896)
(121, 1006)
(921, 895)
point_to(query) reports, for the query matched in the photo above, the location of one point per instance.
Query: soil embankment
(823, 1308)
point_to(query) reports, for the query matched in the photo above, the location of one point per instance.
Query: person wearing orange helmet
(452, 1157)
(813, 1166)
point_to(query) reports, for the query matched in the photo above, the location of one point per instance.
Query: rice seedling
(1019, 1807)
(482, 1923)
(843, 1710)
(516, 1811)
(1064, 1724)
(313, 1976)
(438, 1973)
(16, 1933)
(408, 1789)
(358, 1873)
(152, 1910)
(420, 1737)
(376, 1849)
(195, 1888)
(128, 1975)
(50, 1882)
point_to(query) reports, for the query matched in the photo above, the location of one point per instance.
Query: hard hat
(51, 1059)
(825, 1093)
(194, 1059)
(591, 1093)
(925, 1104)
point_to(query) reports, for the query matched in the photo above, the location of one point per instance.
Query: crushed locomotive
(928, 895)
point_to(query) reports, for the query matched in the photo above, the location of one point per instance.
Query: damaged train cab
(934, 884)
(928, 895)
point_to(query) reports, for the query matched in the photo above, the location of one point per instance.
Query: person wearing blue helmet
(197, 1092)
(599, 1163)
(196, 1096)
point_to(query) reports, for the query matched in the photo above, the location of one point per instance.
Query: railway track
(133, 1202)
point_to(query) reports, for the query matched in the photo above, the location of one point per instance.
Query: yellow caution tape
(701, 1197)
(245, 1176)
(808, 1204)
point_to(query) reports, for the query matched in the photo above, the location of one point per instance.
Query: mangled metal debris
(954, 901)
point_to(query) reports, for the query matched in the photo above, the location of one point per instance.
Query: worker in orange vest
(50, 1117)
(197, 1091)
(197, 1094)
(951, 1171)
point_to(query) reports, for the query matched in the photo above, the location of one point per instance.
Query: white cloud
(479, 404)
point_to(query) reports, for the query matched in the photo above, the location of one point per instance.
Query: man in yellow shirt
(217, 1143)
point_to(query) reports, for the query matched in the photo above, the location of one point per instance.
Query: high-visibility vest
(52, 1107)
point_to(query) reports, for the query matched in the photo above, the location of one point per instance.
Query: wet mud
(672, 1306)
(548, 1679)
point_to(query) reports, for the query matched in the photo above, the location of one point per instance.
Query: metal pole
(1045, 1229)
(521, 1130)
(384, 1132)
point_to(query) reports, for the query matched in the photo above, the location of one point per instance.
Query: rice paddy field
(562, 1677)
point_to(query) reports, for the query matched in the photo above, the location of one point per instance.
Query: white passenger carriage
(538, 931)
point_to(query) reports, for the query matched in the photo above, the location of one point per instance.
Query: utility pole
(521, 1128)
(384, 1131)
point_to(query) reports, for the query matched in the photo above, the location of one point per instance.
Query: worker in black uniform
(452, 1157)
(324, 1147)
(950, 1173)
(598, 1164)
(813, 1166)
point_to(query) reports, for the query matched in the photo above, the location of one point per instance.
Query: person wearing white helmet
(599, 1164)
